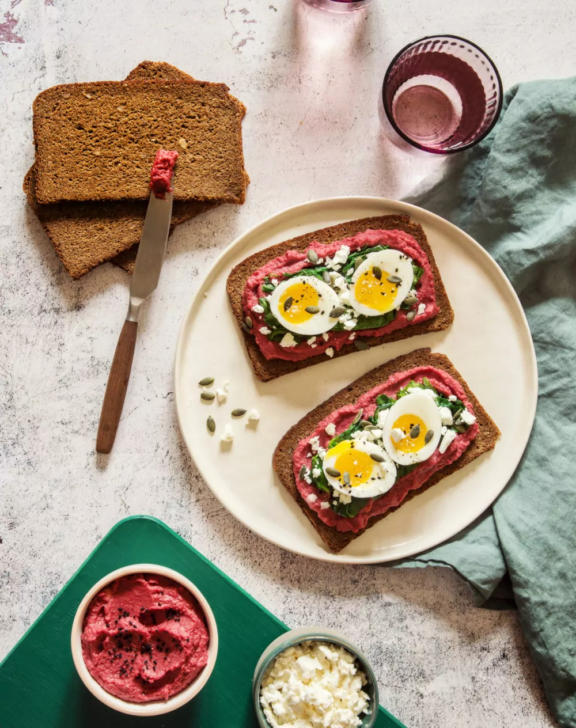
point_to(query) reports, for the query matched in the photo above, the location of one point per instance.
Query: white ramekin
(157, 707)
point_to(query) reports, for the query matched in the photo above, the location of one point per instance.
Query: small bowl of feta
(314, 676)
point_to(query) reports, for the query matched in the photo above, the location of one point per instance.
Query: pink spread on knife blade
(162, 171)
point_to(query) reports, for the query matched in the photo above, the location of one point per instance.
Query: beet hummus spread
(285, 329)
(379, 407)
(144, 638)
(162, 171)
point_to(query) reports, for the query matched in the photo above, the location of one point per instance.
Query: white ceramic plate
(489, 343)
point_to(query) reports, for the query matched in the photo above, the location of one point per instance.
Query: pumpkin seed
(415, 431)
(337, 311)
(357, 263)
(206, 382)
(377, 272)
(238, 412)
(358, 417)
(428, 436)
(394, 279)
(288, 302)
(460, 429)
(411, 315)
(346, 478)
(326, 277)
(410, 300)
(248, 322)
(361, 345)
(333, 472)
(365, 423)
(377, 457)
(312, 309)
(207, 396)
(312, 256)
(211, 425)
(245, 328)
(303, 471)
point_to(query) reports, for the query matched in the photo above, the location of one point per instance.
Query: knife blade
(149, 259)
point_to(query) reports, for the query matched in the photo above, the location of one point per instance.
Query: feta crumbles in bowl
(314, 677)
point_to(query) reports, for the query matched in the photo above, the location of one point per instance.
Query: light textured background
(310, 82)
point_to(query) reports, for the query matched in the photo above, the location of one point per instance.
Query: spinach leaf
(418, 273)
(402, 470)
(362, 253)
(346, 435)
(349, 510)
(277, 330)
(320, 482)
(316, 272)
(383, 401)
(374, 322)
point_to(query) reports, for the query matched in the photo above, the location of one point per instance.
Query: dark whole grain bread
(268, 369)
(488, 434)
(97, 141)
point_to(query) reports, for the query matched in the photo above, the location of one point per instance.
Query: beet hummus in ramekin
(146, 642)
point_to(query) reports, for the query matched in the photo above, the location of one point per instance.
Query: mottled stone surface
(310, 82)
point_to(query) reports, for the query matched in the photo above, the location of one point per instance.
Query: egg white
(320, 322)
(422, 406)
(390, 262)
(384, 473)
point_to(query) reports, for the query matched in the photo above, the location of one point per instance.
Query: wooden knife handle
(116, 387)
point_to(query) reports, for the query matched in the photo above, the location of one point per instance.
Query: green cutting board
(39, 686)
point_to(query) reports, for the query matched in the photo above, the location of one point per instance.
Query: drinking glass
(441, 94)
(340, 6)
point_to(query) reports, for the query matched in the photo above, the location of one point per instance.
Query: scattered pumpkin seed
(394, 279)
(333, 472)
(312, 309)
(211, 425)
(411, 315)
(410, 300)
(346, 478)
(312, 256)
(357, 263)
(358, 417)
(303, 471)
(238, 412)
(377, 272)
(428, 436)
(337, 311)
(415, 431)
(206, 382)
(377, 457)
(361, 345)
(460, 429)
(245, 328)
(248, 322)
(365, 423)
(326, 277)
(288, 302)
(207, 396)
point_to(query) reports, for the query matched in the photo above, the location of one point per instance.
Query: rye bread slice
(488, 434)
(85, 234)
(97, 141)
(268, 369)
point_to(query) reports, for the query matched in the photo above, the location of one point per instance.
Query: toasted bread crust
(268, 369)
(488, 434)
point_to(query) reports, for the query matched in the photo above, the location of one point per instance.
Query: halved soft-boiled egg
(381, 282)
(303, 305)
(412, 429)
(360, 469)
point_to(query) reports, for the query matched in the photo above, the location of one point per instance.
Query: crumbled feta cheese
(340, 283)
(445, 415)
(382, 415)
(452, 397)
(228, 434)
(314, 685)
(341, 256)
(344, 296)
(316, 472)
(421, 309)
(467, 417)
(316, 447)
(351, 337)
(325, 336)
(312, 498)
(253, 415)
(330, 429)
(306, 476)
(424, 390)
(222, 394)
(324, 505)
(258, 308)
(444, 430)
(288, 341)
(311, 341)
(397, 434)
(274, 281)
(330, 352)
(376, 432)
(349, 323)
(265, 330)
(344, 498)
(447, 438)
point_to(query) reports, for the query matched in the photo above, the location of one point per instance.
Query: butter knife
(145, 279)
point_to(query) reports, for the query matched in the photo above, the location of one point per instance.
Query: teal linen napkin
(515, 193)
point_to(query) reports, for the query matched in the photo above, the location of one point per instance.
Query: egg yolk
(375, 293)
(409, 444)
(357, 464)
(295, 300)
